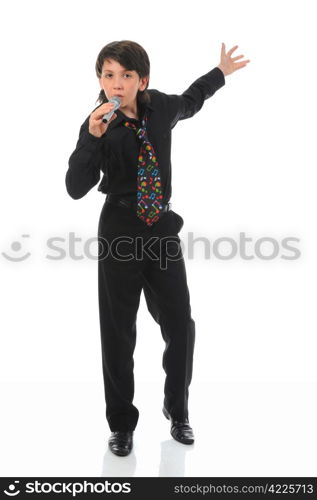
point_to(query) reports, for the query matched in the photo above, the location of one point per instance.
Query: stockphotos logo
(241, 246)
(12, 489)
(72, 488)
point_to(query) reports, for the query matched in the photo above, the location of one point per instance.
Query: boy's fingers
(241, 64)
(100, 112)
(232, 50)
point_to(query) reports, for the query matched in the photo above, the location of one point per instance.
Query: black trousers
(133, 257)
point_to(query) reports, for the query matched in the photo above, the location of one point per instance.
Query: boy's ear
(144, 81)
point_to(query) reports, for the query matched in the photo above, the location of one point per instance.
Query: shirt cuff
(218, 77)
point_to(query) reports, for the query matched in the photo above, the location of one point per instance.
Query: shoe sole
(187, 441)
(120, 454)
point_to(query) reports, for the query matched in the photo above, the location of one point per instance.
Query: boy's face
(116, 80)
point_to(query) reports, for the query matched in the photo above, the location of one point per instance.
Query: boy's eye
(126, 74)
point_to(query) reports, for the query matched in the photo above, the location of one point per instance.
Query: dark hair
(132, 57)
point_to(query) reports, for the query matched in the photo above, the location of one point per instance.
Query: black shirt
(116, 152)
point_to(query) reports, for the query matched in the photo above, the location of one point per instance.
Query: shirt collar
(122, 117)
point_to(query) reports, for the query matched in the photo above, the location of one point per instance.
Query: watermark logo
(12, 489)
(157, 248)
(15, 248)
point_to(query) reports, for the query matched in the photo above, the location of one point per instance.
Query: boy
(133, 151)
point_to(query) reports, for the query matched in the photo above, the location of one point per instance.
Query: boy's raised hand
(96, 126)
(227, 63)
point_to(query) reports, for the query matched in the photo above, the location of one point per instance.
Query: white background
(245, 163)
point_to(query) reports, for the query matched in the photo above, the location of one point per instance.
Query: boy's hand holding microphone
(100, 118)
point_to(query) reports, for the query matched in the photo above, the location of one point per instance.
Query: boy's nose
(117, 84)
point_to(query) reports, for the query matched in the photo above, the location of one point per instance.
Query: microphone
(116, 101)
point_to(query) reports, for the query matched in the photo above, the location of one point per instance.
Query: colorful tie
(149, 187)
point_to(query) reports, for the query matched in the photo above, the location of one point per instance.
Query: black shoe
(121, 442)
(180, 431)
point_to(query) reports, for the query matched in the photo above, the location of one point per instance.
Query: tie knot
(140, 131)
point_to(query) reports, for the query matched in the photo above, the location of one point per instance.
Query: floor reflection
(173, 458)
(172, 461)
(114, 466)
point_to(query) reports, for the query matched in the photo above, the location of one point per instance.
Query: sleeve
(191, 101)
(84, 163)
